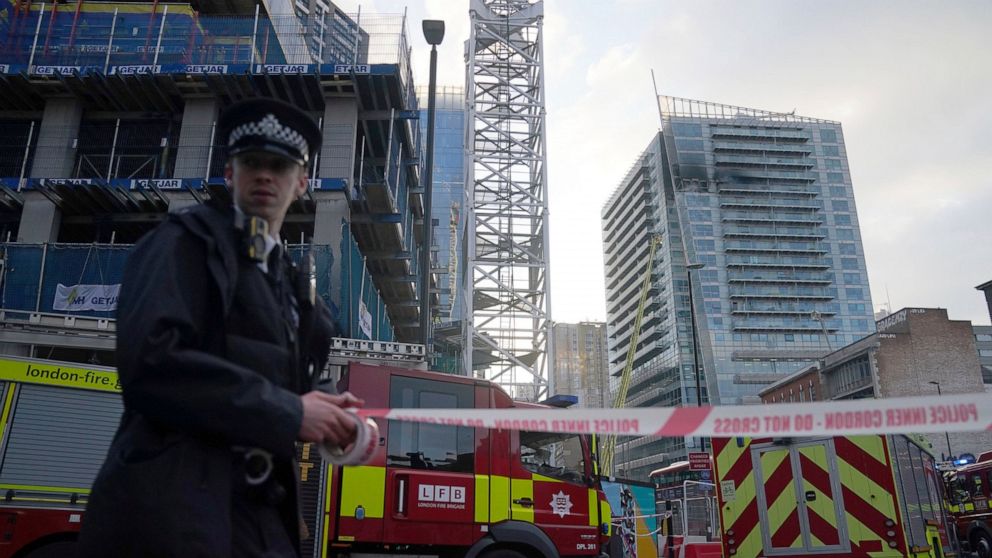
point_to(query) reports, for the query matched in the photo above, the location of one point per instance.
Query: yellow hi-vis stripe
(482, 498)
(519, 489)
(324, 535)
(7, 404)
(593, 504)
(605, 515)
(499, 498)
(366, 487)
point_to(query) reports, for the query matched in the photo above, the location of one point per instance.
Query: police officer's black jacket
(207, 362)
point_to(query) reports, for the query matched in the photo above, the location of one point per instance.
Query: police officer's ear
(303, 183)
(228, 173)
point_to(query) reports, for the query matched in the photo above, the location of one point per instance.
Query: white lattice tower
(507, 302)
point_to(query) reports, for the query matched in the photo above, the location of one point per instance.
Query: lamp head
(433, 31)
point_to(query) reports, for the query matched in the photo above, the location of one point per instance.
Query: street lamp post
(947, 436)
(695, 342)
(434, 34)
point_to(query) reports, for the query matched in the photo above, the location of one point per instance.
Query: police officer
(217, 340)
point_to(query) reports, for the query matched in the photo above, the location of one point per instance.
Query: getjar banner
(77, 298)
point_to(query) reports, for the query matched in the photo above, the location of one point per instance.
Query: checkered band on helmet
(270, 128)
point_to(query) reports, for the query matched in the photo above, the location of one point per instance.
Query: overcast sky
(911, 83)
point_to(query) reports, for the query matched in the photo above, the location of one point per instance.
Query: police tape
(361, 450)
(904, 415)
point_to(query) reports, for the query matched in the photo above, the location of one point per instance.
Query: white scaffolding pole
(507, 302)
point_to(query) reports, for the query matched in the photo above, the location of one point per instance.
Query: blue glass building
(448, 192)
(764, 202)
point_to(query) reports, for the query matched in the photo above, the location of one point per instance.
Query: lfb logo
(441, 493)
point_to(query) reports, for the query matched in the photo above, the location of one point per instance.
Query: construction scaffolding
(507, 302)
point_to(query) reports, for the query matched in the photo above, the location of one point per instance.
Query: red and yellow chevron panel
(842, 503)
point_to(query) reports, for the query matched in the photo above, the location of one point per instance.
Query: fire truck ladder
(620, 400)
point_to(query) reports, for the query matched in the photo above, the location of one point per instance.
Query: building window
(836, 178)
(705, 245)
(693, 130)
(702, 230)
(840, 205)
(700, 215)
(983, 337)
(849, 263)
(842, 219)
(828, 136)
(831, 150)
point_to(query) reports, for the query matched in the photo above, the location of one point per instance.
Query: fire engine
(428, 489)
(866, 496)
(689, 496)
(968, 494)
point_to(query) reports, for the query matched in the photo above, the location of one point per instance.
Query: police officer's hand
(325, 420)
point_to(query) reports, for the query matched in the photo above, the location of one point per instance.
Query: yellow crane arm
(621, 396)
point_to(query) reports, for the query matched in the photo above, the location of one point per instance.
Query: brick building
(916, 351)
(801, 386)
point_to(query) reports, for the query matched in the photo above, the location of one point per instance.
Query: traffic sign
(699, 461)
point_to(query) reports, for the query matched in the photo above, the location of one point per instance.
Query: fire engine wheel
(60, 549)
(502, 553)
(982, 545)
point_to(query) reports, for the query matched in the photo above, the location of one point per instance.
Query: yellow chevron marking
(868, 489)
(729, 455)
(785, 503)
(858, 532)
(872, 445)
(745, 495)
(823, 504)
(750, 546)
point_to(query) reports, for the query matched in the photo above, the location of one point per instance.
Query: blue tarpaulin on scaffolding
(31, 269)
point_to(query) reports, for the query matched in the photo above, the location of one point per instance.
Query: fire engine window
(430, 446)
(553, 455)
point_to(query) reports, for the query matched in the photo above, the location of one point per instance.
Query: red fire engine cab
(455, 490)
(969, 493)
